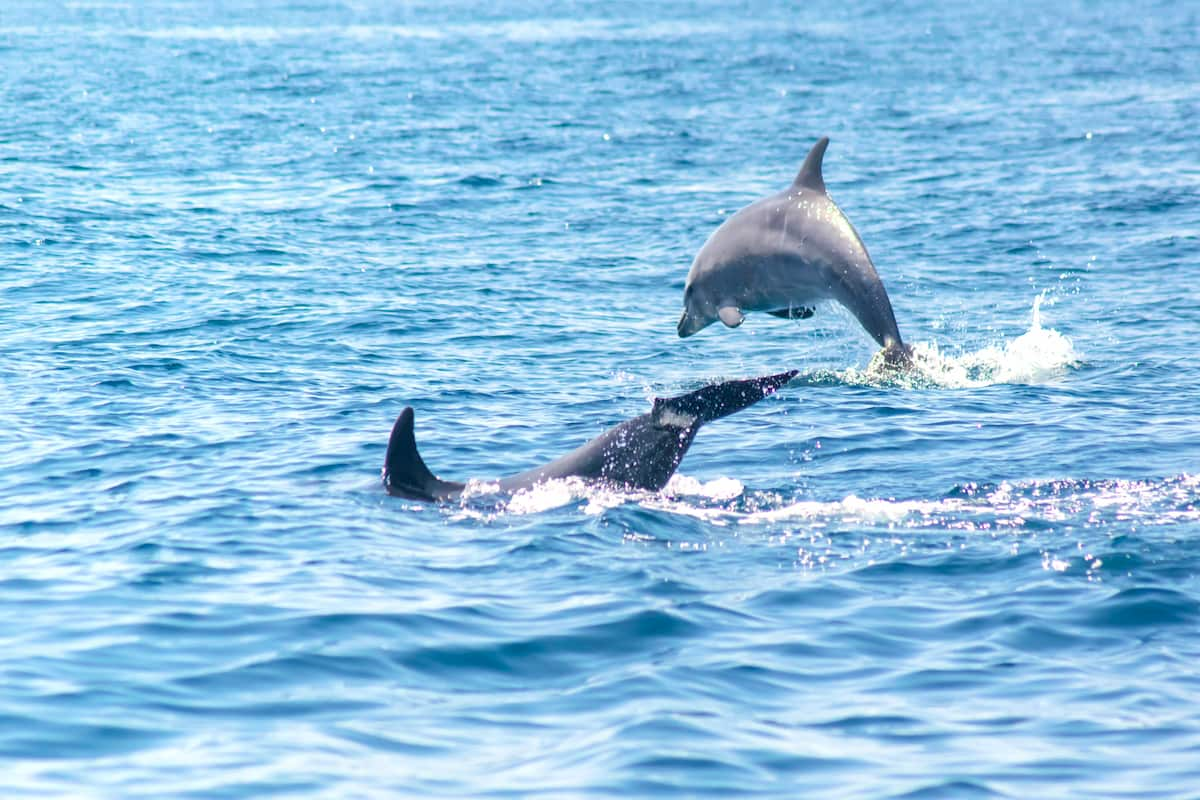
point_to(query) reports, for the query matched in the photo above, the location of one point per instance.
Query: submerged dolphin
(782, 255)
(641, 453)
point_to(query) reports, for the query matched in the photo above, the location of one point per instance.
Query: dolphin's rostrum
(640, 453)
(783, 255)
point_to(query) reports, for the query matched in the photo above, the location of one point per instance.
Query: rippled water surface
(237, 239)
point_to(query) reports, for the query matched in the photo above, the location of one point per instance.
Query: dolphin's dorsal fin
(809, 176)
(405, 473)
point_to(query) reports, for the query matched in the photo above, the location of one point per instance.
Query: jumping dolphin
(784, 254)
(641, 453)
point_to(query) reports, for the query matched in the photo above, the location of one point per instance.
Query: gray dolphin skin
(783, 255)
(640, 453)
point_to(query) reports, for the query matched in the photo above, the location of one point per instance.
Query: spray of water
(1038, 355)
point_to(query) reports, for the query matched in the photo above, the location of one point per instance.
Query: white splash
(1003, 506)
(849, 509)
(680, 495)
(1036, 356)
(716, 489)
(478, 488)
(546, 495)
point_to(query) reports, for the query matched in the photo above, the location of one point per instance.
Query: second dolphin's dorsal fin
(404, 471)
(809, 176)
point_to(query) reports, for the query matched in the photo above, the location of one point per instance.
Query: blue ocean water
(238, 238)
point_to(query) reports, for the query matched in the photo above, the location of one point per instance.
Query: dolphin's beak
(686, 327)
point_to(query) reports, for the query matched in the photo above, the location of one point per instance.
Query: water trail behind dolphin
(1036, 356)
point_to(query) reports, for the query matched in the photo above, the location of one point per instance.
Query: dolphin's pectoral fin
(793, 313)
(730, 316)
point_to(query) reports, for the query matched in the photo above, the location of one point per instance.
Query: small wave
(685, 495)
(480, 181)
(849, 509)
(1006, 506)
(1141, 607)
(968, 508)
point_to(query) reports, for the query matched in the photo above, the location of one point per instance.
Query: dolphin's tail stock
(898, 356)
(721, 399)
(405, 474)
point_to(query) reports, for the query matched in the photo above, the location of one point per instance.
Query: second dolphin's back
(644, 452)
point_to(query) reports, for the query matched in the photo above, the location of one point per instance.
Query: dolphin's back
(644, 452)
(640, 453)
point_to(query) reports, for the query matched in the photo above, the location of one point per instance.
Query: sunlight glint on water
(238, 239)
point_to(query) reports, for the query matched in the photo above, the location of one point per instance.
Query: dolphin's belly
(780, 283)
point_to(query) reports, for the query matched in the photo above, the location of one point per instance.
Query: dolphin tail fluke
(405, 473)
(721, 399)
